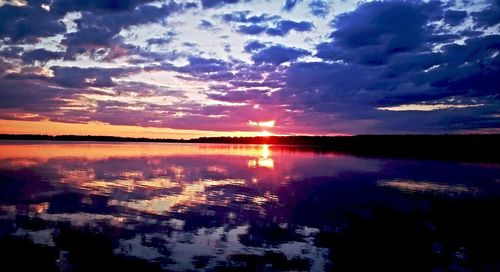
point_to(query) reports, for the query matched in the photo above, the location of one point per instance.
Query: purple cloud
(278, 54)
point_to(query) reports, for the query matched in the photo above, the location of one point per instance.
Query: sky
(184, 69)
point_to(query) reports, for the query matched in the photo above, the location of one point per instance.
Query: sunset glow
(265, 133)
(262, 123)
(249, 135)
(58, 128)
(187, 69)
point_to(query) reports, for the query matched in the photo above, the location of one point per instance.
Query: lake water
(256, 207)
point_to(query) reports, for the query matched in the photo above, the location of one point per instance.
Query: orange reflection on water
(12, 210)
(96, 151)
(264, 161)
(154, 178)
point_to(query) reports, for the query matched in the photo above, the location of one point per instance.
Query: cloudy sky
(249, 67)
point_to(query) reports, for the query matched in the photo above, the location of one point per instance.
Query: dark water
(200, 207)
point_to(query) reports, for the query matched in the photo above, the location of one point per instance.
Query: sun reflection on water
(265, 159)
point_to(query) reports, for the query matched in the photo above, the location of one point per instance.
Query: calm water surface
(213, 207)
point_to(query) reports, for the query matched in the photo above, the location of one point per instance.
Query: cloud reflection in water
(199, 206)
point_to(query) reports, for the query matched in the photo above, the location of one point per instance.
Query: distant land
(462, 147)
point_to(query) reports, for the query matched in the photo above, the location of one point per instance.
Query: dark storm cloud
(278, 54)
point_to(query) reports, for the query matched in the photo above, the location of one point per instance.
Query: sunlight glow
(265, 133)
(265, 151)
(264, 161)
(262, 123)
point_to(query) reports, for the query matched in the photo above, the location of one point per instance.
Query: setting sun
(265, 133)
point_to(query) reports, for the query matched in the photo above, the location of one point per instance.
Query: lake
(80, 206)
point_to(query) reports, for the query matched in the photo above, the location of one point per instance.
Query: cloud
(489, 16)
(319, 8)
(251, 29)
(278, 54)
(290, 4)
(11, 52)
(204, 24)
(30, 96)
(377, 30)
(283, 27)
(218, 3)
(160, 41)
(253, 25)
(98, 30)
(167, 38)
(377, 64)
(240, 96)
(454, 17)
(28, 23)
(253, 46)
(64, 6)
(41, 55)
(204, 65)
(76, 77)
(244, 17)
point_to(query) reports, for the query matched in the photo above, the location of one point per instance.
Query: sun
(265, 133)
(263, 125)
